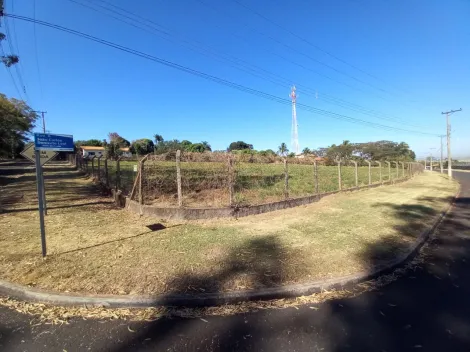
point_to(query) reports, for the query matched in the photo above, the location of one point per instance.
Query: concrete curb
(24, 293)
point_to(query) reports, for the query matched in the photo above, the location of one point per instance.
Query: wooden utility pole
(43, 120)
(449, 154)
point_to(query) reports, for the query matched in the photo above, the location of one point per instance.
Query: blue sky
(412, 59)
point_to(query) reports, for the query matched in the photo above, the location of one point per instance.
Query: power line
(216, 79)
(2, 52)
(36, 52)
(316, 47)
(15, 37)
(232, 60)
(13, 51)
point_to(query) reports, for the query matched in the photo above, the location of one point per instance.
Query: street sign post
(46, 144)
(41, 205)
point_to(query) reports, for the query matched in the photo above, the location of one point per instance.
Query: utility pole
(449, 155)
(43, 120)
(430, 157)
(442, 152)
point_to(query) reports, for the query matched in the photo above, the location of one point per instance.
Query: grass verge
(95, 247)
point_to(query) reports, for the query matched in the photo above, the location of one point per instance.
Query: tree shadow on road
(427, 307)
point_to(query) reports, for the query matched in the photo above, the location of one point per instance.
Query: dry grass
(97, 248)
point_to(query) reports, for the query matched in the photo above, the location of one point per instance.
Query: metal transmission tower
(295, 127)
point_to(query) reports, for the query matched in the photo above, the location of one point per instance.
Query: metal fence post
(389, 171)
(315, 176)
(370, 175)
(178, 178)
(286, 180)
(355, 173)
(339, 175)
(231, 180)
(380, 170)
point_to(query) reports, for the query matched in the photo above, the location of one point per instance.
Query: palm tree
(282, 151)
(207, 146)
(158, 138)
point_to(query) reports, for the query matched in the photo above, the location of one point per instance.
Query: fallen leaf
(128, 328)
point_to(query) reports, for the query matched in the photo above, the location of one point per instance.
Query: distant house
(126, 153)
(91, 151)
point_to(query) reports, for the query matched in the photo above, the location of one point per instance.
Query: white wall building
(91, 151)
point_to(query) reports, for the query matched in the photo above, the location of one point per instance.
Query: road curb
(29, 294)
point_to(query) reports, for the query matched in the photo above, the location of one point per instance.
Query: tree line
(17, 121)
(380, 150)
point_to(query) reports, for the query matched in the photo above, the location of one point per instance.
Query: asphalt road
(427, 309)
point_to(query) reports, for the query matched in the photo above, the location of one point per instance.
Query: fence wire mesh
(159, 185)
(204, 180)
(215, 180)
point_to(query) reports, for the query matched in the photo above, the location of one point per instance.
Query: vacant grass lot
(205, 184)
(98, 248)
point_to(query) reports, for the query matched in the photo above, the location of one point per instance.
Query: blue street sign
(57, 142)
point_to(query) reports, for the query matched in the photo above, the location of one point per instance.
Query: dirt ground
(95, 247)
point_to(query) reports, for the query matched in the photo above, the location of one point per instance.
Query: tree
(17, 121)
(116, 142)
(283, 150)
(239, 146)
(158, 138)
(116, 139)
(142, 146)
(207, 146)
(342, 152)
(306, 151)
(90, 142)
(8, 60)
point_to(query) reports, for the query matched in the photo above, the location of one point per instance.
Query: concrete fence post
(106, 174)
(231, 180)
(118, 173)
(403, 168)
(339, 175)
(99, 167)
(380, 170)
(178, 178)
(286, 179)
(315, 176)
(356, 179)
(141, 172)
(389, 171)
(370, 173)
(396, 165)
